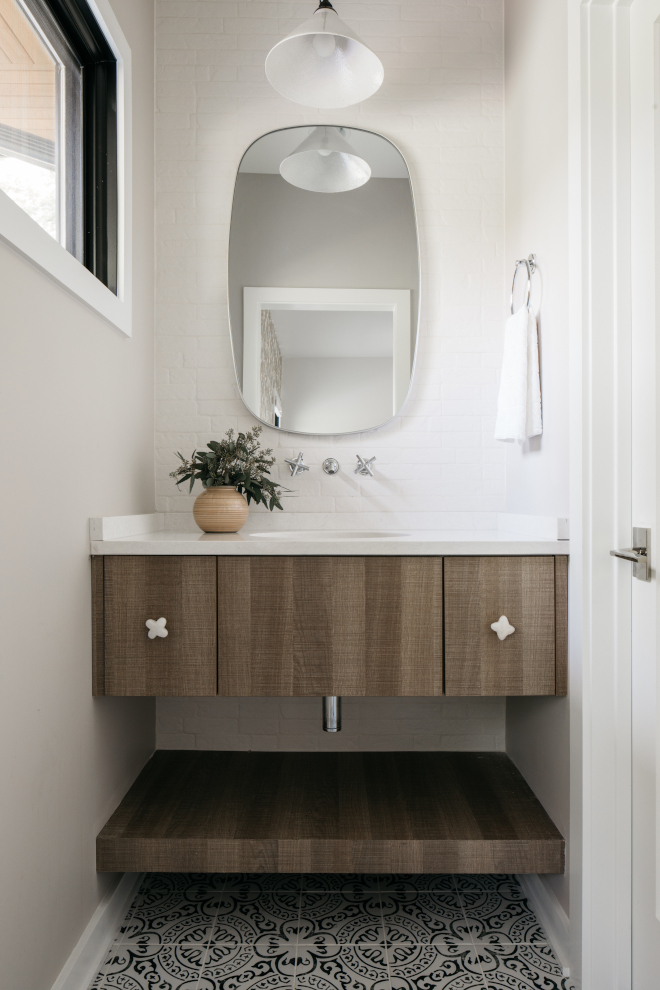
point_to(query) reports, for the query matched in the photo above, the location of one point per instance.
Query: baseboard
(87, 957)
(551, 915)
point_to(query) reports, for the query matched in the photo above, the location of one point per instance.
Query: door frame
(645, 228)
(604, 162)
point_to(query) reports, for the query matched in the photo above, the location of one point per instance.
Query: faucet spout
(332, 714)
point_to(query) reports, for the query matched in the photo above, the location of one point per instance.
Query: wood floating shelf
(209, 812)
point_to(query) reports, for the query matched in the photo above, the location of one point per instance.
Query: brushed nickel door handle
(639, 553)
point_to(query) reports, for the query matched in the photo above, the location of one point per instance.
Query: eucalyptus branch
(236, 461)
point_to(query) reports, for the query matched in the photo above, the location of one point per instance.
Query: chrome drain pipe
(332, 714)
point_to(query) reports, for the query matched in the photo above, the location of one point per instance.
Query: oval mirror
(323, 279)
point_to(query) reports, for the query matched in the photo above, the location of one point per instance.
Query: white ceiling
(325, 334)
(267, 152)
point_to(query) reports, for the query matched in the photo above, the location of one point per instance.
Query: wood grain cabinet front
(132, 659)
(530, 592)
(313, 626)
(286, 626)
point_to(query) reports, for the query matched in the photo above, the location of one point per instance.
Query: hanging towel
(519, 401)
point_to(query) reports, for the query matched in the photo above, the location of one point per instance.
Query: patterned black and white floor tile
(150, 966)
(330, 932)
(185, 916)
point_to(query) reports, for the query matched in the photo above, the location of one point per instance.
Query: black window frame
(90, 132)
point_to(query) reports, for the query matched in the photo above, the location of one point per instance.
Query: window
(58, 126)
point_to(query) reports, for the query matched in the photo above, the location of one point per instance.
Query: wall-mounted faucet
(296, 464)
(364, 466)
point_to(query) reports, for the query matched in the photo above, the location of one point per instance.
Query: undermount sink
(324, 534)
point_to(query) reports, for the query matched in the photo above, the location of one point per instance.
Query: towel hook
(530, 265)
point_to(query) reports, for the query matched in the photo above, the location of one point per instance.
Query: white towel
(519, 401)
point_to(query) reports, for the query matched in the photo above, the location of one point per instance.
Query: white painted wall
(333, 395)
(536, 132)
(538, 742)
(536, 171)
(77, 423)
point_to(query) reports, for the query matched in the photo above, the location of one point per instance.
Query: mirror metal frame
(415, 329)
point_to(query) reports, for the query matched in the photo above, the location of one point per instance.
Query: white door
(645, 259)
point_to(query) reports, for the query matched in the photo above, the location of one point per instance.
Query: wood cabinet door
(478, 590)
(313, 626)
(183, 591)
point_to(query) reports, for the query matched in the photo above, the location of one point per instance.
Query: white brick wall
(441, 103)
(437, 465)
(296, 724)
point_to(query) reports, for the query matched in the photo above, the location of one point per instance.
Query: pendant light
(325, 162)
(324, 64)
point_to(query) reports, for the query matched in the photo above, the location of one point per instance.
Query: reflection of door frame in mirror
(257, 298)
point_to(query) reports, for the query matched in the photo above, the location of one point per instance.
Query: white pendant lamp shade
(325, 162)
(323, 63)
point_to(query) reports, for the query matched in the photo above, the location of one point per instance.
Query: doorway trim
(601, 818)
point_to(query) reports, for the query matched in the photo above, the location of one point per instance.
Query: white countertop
(429, 543)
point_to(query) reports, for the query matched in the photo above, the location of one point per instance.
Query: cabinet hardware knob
(156, 627)
(502, 627)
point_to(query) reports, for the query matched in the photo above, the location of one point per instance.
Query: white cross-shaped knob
(502, 627)
(156, 627)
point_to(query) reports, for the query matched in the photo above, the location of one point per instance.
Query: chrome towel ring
(530, 265)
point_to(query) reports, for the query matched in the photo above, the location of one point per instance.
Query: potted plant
(234, 473)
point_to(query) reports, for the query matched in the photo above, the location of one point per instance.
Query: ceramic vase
(221, 510)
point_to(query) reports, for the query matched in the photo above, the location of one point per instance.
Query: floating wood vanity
(405, 617)
(292, 626)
